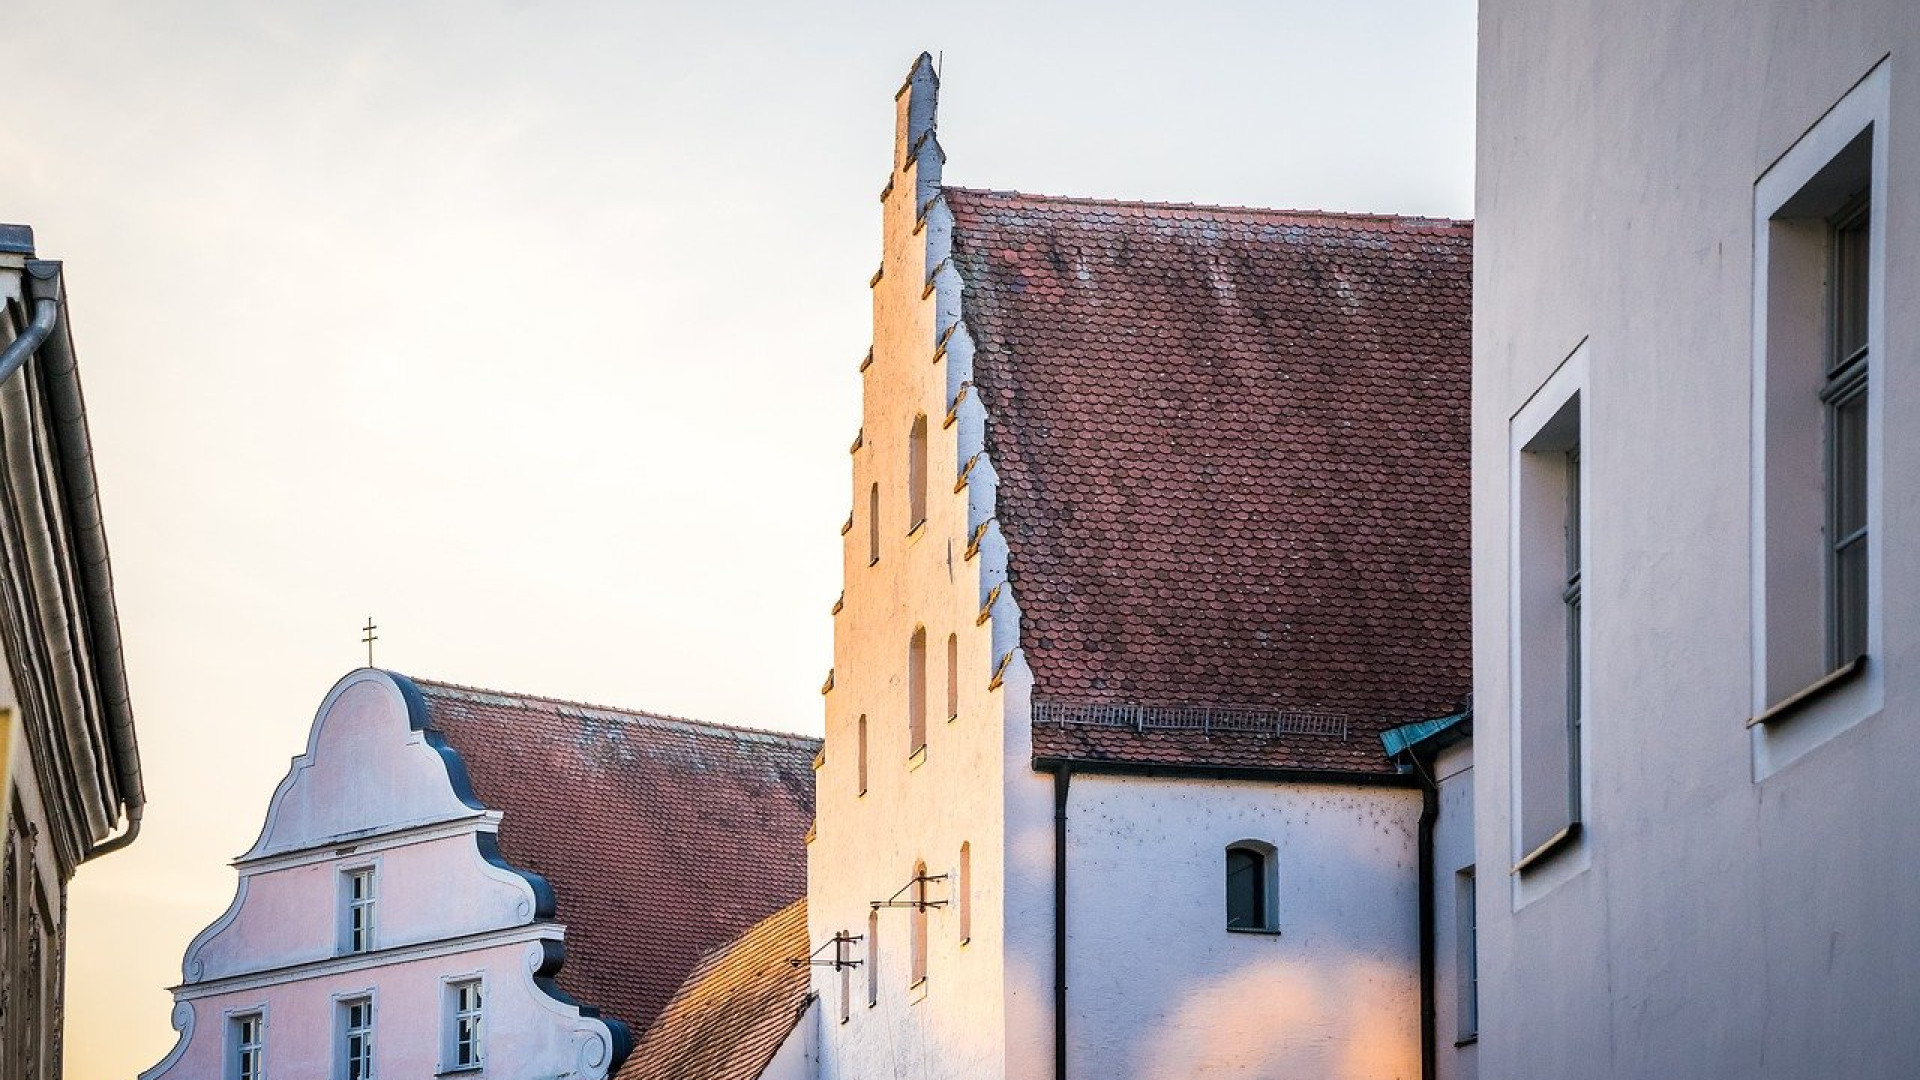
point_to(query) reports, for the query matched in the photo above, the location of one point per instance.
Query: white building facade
(1694, 545)
(1102, 792)
(376, 932)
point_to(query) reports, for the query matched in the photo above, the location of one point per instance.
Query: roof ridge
(434, 687)
(1213, 208)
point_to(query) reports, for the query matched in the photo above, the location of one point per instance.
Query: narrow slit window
(861, 754)
(873, 524)
(917, 691)
(873, 959)
(966, 892)
(953, 676)
(917, 920)
(917, 474)
(1468, 922)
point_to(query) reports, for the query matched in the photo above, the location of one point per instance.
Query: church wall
(1161, 990)
(916, 807)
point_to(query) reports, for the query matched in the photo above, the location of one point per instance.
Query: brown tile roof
(1232, 455)
(661, 838)
(731, 1015)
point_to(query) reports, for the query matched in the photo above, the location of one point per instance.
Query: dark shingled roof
(1232, 455)
(662, 838)
(730, 1017)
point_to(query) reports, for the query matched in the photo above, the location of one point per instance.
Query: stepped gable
(729, 1018)
(662, 838)
(1232, 456)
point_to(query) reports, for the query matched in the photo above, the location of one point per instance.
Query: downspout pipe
(43, 291)
(1429, 1023)
(67, 417)
(1062, 780)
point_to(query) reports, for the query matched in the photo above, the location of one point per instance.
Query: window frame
(359, 916)
(1805, 691)
(1549, 629)
(349, 1055)
(1467, 936)
(238, 1048)
(1266, 886)
(454, 1038)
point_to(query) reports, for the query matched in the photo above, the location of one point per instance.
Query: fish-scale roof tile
(662, 838)
(1232, 455)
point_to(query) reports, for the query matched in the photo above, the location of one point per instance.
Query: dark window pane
(1245, 887)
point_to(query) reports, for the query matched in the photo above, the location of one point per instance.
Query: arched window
(966, 892)
(860, 754)
(917, 474)
(1252, 880)
(953, 676)
(917, 692)
(917, 947)
(873, 958)
(873, 525)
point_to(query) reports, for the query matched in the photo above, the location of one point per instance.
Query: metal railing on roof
(1206, 719)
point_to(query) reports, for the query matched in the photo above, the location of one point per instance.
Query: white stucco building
(70, 786)
(1695, 506)
(446, 874)
(1159, 522)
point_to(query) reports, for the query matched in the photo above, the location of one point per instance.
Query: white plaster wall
(866, 845)
(370, 792)
(1453, 851)
(799, 1055)
(1724, 926)
(1161, 990)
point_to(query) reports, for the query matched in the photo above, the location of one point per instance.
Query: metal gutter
(1062, 780)
(67, 418)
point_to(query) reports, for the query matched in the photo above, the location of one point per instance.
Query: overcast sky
(531, 329)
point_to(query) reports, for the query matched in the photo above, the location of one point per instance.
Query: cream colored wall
(917, 808)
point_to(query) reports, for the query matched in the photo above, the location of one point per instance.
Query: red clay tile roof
(1232, 454)
(731, 1015)
(662, 838)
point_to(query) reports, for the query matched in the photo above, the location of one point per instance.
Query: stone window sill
(1814, 691)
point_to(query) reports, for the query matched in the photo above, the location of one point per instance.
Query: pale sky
(531, 329)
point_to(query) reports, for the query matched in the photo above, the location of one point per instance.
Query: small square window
(246, 1036)
(356, 1039)
(1252, 880)
(465, 1024)
(357, 922)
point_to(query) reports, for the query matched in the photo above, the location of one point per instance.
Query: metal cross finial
(370, 638)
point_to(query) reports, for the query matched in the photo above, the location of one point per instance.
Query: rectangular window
(356, 1039)
(1467, 919)
(463, 1024)
(1844, 394)
(357, 890)
(1549, 639)
(1819, 262)
(248, 1039)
